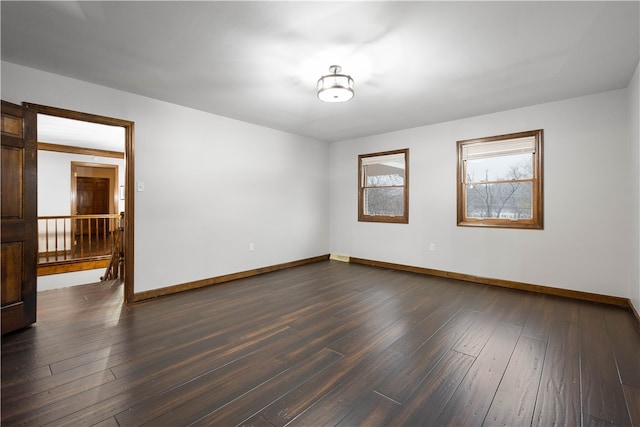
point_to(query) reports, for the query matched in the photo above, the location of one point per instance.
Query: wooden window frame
(536, 222)
(398, 219)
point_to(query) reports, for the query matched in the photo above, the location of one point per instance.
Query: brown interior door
(18, 217)
(92, 198)
(93, 195)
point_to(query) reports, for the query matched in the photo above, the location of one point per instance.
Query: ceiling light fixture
(335, 87)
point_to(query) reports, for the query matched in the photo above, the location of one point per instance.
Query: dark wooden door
(93, 195)
(92, 198)
(19, 219)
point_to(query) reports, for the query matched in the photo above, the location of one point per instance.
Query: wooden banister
(64, 239)
(115, 268)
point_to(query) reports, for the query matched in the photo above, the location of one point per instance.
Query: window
(383, 187)
(500, 181)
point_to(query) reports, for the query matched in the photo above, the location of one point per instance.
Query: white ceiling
(414, 63)
(76, 133)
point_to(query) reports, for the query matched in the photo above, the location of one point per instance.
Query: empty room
(340, 213)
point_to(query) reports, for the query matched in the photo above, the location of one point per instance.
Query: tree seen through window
(500, 181)
(383, 187)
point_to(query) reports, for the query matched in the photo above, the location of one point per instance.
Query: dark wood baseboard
(633, 311)
(71, 266)
(154, 293)
(584, 296)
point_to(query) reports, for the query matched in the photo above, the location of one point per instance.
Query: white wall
(65, 280)
(585, 242)
(634, 115)
(212, 185)
(54, 180)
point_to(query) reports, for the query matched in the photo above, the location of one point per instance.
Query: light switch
(140, 185)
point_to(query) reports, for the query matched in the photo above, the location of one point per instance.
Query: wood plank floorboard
(325, 344)
(515, 398)
(424, 406)
(603, 399)
(560, 387)
(473, 398)
(413, 368)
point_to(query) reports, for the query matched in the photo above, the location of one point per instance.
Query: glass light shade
(335, 87)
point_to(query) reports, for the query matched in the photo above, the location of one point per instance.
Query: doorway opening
(85, 174)
(94, 191)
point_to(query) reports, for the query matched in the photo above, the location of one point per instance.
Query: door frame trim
(129, 180)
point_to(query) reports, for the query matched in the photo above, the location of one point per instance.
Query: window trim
(399, 219)
(536, 222)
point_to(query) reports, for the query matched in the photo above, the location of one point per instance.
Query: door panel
(93, 195)
(18, 217)
(11, 272)
(12, 183)
(93, 198)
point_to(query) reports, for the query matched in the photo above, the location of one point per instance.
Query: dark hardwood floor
(321, 345)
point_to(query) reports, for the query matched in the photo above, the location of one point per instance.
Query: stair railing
(115, 268)
(70, 238)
